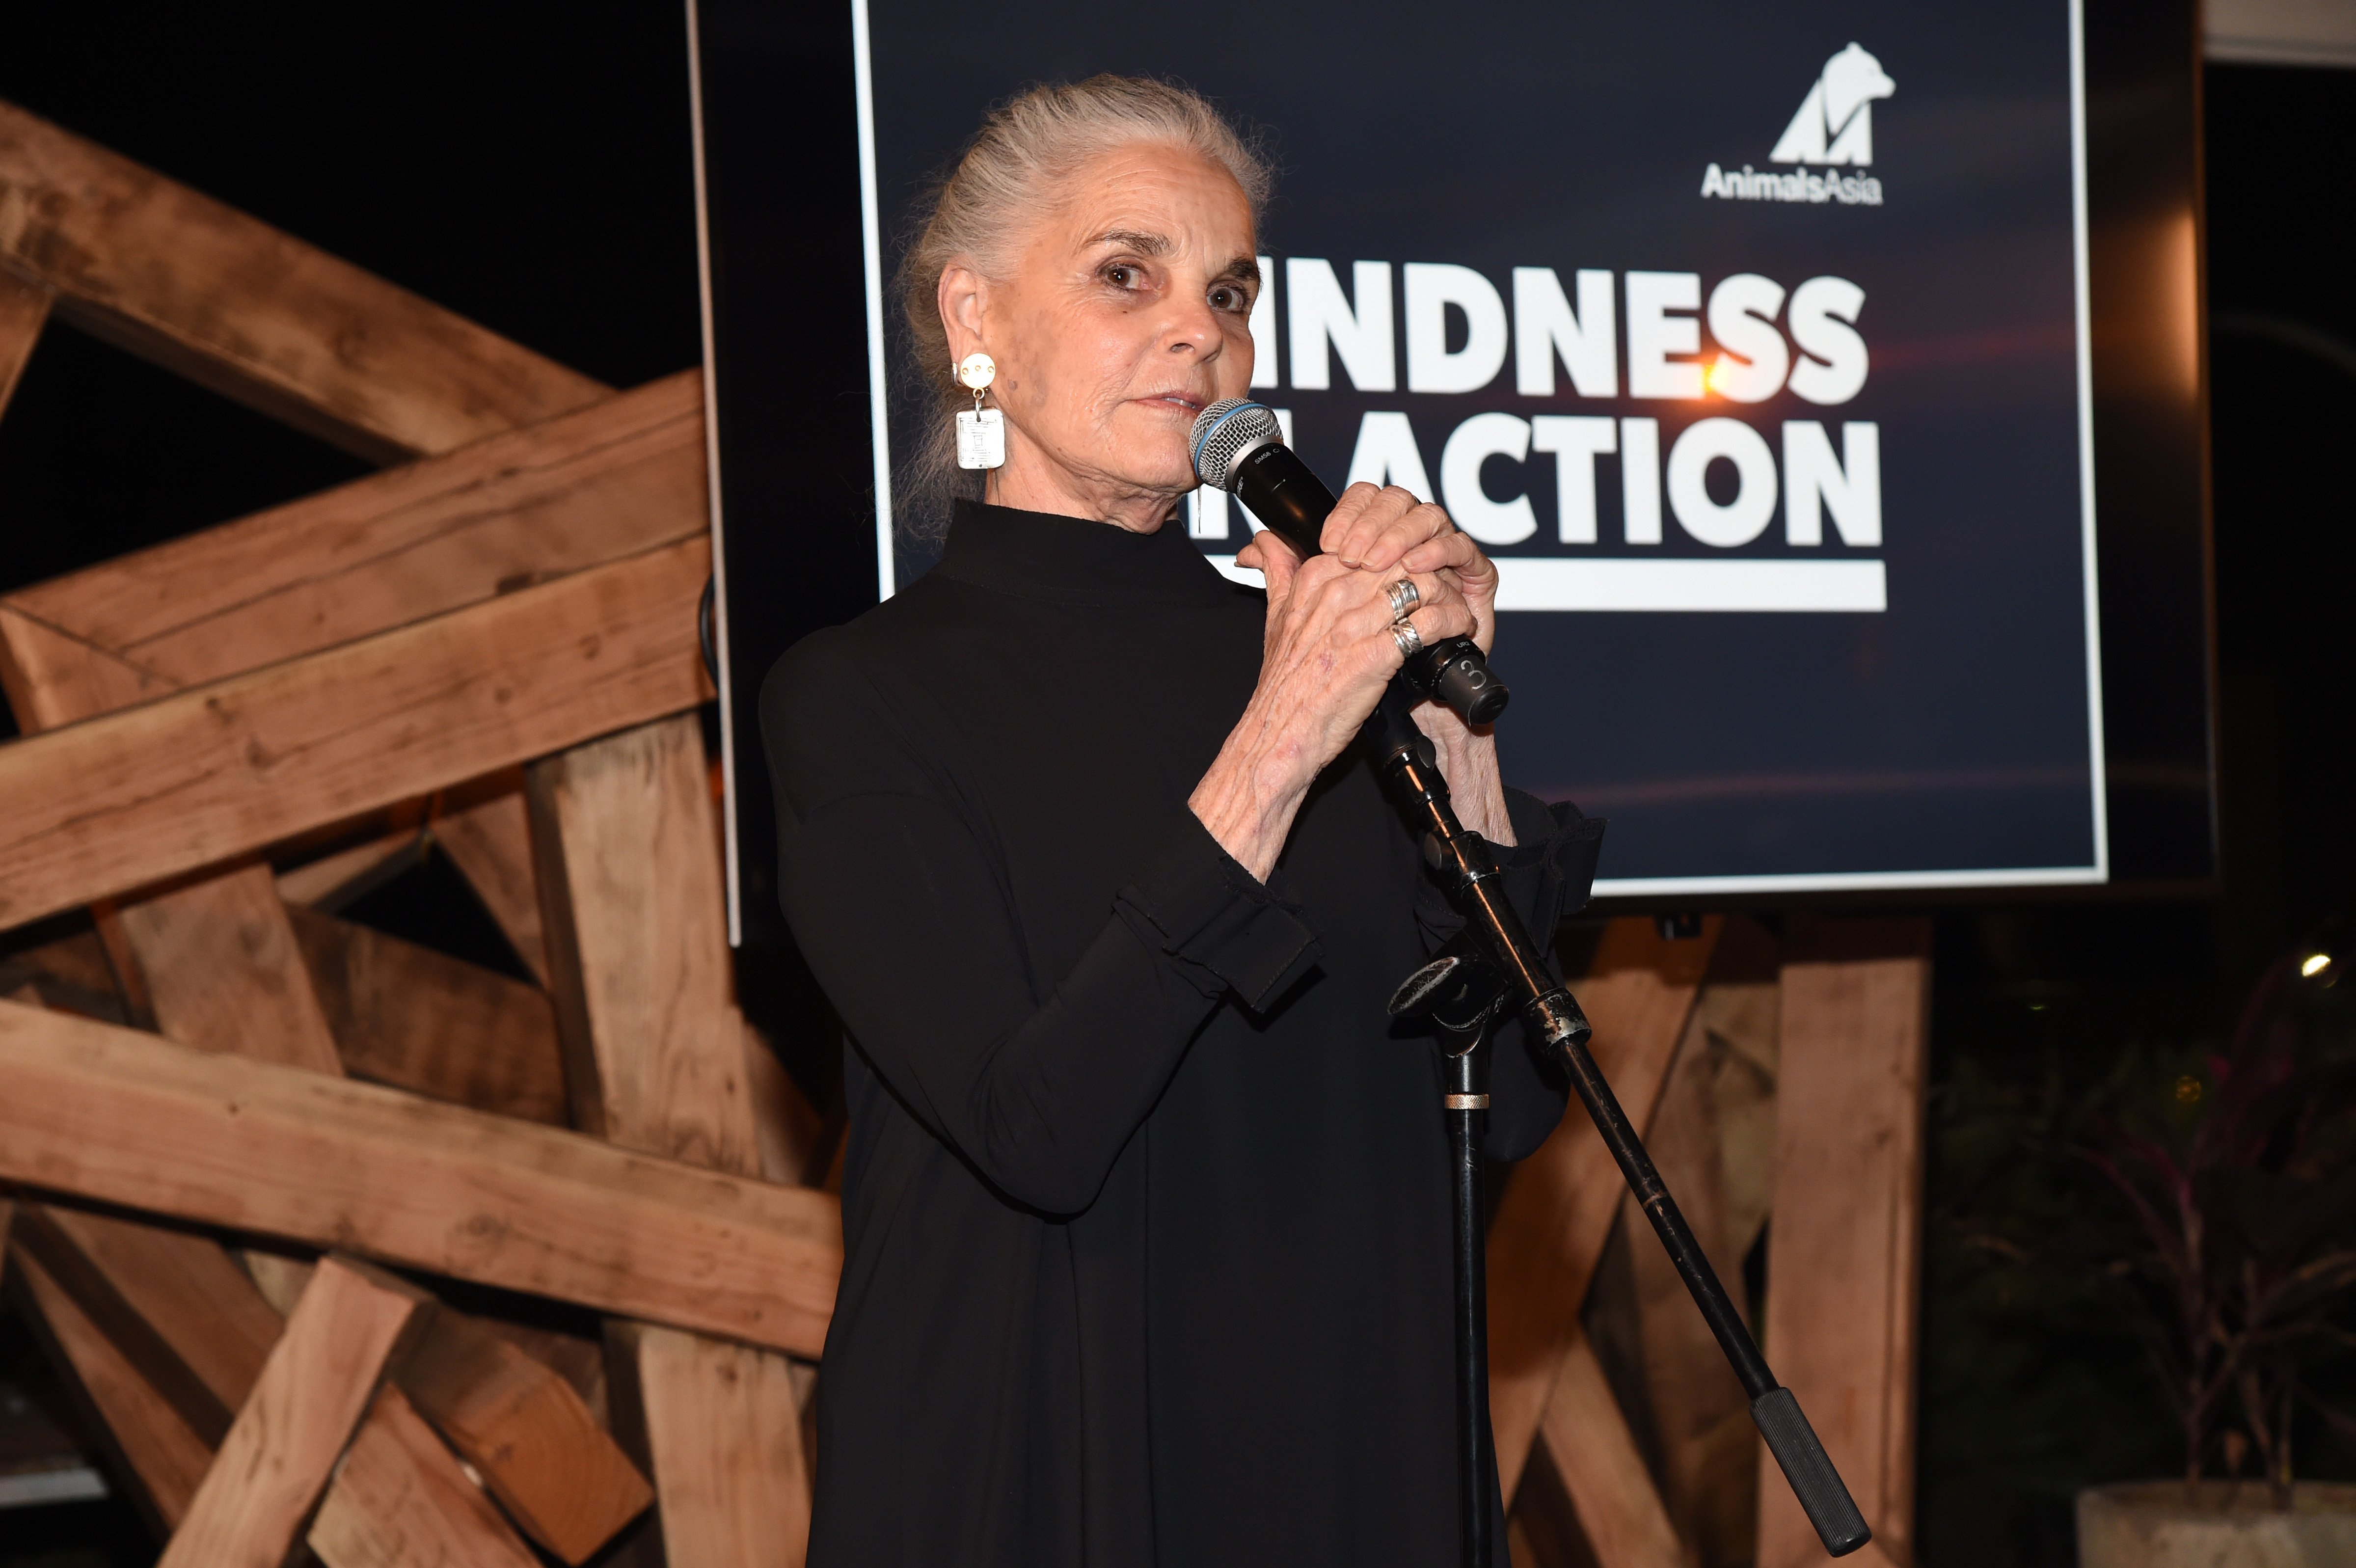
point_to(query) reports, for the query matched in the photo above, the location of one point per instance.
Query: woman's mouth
(1179, 400)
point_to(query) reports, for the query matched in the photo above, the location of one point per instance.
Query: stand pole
(1467, 1103)
(1403, 758)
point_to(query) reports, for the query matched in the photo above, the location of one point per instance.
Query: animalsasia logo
(1833, 126)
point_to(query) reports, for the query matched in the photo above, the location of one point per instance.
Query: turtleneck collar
(1042, 556)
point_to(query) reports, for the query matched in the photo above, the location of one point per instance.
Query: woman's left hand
(1388, 529)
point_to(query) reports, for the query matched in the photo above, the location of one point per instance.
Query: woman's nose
(1195, 326)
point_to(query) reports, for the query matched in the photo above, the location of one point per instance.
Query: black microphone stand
(1491, 967)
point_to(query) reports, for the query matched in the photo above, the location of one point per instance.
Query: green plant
(2240, 1185)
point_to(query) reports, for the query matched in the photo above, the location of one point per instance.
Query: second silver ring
(1410, 640)
(1404, 597)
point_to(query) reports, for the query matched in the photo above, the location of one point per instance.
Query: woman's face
(1125, 311)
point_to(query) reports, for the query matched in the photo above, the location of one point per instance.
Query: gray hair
(979, 211)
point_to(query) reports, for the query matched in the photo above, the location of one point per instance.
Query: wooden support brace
(402, 1498)
(236, 305)
(1843, 1252)
(490, 841)
(335, 879)
(158, 1456)
(629, 875)
(123, 1117)
(315, 1388)
(192, 779)
(539, 1450)
(417, 1019)
(174, 1303)
(1556, 1211)
(23, 311)
(197, 1330)
(1707, 1445)
(1588, 1440)
(366, 557)
(221, 970)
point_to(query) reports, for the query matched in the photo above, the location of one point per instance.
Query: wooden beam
(218, 771)
(1589, 1443)
(236, 305)
(402, 1498)
(195, 1332)
(1706, 1446)
(176, 1305)
(222, 970)
(726, 1437)
(490, 841)
(123, 1117)
(1742, 1008)
(624, 837)
(366, 557)
(1844, 1254)
(23, 311)
(180, 1308)
(420, 1020)
(1556, 1211)
(313, 1389)
(159, 1457)
(333, 880)
(72, 973)
(539, 1449)
(627, 846)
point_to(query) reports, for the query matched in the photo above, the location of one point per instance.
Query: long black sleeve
(1037, 1081)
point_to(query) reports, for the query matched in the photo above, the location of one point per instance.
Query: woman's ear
(963, 297)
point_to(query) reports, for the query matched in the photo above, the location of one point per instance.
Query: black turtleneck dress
(1145, 1204)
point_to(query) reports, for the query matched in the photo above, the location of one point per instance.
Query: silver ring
(1404, 597)
(1410, 640)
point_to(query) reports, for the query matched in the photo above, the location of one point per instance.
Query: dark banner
(1751, 342)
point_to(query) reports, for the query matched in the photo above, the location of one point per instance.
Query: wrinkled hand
(1389, 531)
(1327, 654)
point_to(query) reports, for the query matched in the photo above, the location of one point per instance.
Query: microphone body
(1239, 446)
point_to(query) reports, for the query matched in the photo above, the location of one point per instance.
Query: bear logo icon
(1834, 124)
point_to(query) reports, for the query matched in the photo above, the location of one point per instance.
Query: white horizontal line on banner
(1621, 583)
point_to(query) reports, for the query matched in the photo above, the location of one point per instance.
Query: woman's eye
(1228, 298)
(1120, 276)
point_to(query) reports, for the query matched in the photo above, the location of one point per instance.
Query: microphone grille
(1225, 432)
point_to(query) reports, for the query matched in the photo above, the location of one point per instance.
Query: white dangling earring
(981, 431)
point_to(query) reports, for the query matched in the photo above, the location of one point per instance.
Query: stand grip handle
(1810, 1470)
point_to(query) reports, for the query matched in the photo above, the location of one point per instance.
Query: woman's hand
(1388, 530)
(1381, 536)
(1328, 654)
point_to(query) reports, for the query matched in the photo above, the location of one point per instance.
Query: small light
(2187, 1091)
(2317, 962)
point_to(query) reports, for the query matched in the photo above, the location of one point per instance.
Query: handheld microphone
(1239, 446)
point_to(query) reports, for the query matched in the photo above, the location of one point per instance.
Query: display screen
(1755, 343)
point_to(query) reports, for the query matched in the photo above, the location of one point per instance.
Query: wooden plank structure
(230, 1110)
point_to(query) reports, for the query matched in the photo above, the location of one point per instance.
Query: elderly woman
(1146, 1202)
